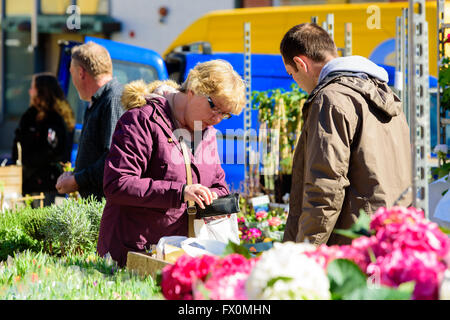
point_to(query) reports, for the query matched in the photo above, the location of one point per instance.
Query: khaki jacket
(354, 153)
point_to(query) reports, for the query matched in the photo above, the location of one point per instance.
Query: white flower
(284, 272)
(441, 147)
(444, 290)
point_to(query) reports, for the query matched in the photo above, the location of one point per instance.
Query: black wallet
(221, 206)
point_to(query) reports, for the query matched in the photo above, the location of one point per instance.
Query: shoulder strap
(192, 209)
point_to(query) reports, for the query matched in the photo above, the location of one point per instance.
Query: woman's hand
(199, 194)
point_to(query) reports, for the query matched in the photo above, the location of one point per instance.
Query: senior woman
(145, 174)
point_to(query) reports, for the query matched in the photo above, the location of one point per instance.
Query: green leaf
(347, 233)
(236, 248)
(360, 228)
(344, 276)
(272, 281)
(445, 230)
(363, 221)
(403, 292)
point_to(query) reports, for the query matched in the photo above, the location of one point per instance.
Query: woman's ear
(301, 63)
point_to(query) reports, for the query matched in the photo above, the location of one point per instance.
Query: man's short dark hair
(307, 39)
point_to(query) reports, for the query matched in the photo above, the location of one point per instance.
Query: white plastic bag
(220, 228)
(172, 240)
(442, 211)
(196, 247)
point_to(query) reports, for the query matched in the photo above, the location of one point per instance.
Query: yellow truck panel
(373, 26)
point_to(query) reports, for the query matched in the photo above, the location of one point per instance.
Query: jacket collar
(330, 78)
(105, 88)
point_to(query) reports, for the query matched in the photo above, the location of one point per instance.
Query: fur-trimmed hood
(135, 93)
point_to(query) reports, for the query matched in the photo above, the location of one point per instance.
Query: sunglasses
(224, 115)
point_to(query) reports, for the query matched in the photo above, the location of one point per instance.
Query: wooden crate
(11, 178)
(143, 264)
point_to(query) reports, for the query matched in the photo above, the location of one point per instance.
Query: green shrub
(74, 224)
(15, 240)
(32, 221)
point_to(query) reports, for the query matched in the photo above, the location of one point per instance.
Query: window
(126, 72)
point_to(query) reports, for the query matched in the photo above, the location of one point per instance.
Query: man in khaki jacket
(354, 151)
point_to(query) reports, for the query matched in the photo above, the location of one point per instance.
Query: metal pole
(248, 105)
(405, 94)
(330, 25)
(34, 25)
(348, 39)
(441, 125)
(399, 60)
(418, 82)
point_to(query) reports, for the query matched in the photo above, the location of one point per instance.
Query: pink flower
(241, 220)
(324, 254)
(409, 265)
(177, 279)
(274, 221)
(261, 215)
(226, 280)
(406, 247)
(254, 233)
(396, 215)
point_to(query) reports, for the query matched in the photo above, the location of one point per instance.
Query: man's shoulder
(337, 99)
(335, 90)
(111, 96)
(113, 90)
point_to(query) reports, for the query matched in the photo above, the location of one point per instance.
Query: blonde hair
(94, 58)
(213, 78)
(217, 78)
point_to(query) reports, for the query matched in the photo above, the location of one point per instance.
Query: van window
(126, 72)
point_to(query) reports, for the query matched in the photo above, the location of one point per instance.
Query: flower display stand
(258, 247)
(143, 264)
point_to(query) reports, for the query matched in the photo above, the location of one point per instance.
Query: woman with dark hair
(43, 132)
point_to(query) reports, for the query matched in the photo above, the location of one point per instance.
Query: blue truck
(133, 63)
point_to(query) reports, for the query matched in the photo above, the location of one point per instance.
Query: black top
(98, 127)
(43, 146)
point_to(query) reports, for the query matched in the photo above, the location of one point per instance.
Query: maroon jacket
(144, 177)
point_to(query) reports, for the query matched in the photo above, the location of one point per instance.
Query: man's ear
(82, 72)
(301, 63)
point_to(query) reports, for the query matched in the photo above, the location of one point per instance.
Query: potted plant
(280, 117)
